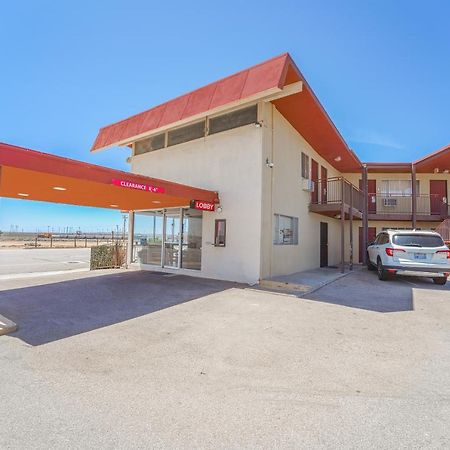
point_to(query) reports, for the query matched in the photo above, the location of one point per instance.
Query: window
(150, 144)
(187, 133)
(398, 187)
(220, 232)
(305, 166)
(418, 240)
(239, 118)
(285, 230)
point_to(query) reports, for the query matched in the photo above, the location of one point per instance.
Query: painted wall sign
(203, 206)
(138, 186)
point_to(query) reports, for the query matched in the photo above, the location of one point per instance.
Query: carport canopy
(33, 175)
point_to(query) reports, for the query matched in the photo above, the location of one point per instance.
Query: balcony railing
(329, 195)
(427, 206)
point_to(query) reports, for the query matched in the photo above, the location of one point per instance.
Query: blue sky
(380, 68)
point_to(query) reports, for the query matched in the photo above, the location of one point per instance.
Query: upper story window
(239, 118)
(187, 133)
(216, 124)
(305, 166)
(398, 187)
(150, 144)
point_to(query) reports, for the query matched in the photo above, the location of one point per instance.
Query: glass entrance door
(172, 239)
(168, 238)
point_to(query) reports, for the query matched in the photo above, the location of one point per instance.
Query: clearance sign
(138, 186)
(203, 206)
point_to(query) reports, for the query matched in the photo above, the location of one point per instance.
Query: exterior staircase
(444, 230)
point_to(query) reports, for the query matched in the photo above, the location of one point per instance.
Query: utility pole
(124, 216)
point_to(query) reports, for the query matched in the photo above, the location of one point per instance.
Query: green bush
(108, 256)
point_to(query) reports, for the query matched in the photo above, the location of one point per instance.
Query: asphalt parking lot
(22, 261)
(144, 360)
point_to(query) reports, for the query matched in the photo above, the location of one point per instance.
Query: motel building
(243, 179)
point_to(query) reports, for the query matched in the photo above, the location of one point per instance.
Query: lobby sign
(203, 206)
(138, 186)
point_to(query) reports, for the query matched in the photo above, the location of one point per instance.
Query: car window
(418, 240)
(382, 238)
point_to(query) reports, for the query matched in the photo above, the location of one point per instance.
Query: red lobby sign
(203, 206)
(138, 186)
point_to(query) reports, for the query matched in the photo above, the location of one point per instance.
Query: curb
(326, 283)
(299, 290)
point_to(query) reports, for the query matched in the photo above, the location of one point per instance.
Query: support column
(365, 212)
(130, 238)
(342, 227)
(351, 226)
(414, 196)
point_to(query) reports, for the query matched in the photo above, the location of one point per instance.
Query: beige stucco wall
(283, 194)
(230, 163)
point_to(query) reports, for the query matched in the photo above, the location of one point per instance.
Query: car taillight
(445, 251)
(390, 251)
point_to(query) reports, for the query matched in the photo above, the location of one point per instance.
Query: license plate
(420, 256)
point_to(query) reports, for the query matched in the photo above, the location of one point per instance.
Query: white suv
(416, 253)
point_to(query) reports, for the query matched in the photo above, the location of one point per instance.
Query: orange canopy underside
(32, 175)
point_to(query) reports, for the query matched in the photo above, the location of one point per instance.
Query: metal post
(414, 195)
(342, 227)
(365, 218)
(130, 237)
(351, 226)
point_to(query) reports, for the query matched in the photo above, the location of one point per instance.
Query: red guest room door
(371, 194)
(323, 184)
(315, 177)
(438, 192)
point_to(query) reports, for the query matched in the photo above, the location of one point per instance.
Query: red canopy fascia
(33, 175)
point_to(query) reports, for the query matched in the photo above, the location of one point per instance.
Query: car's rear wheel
(441, 280)
(382, 274)
(369, 264)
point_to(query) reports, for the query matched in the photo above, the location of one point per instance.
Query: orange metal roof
(440, 159)
(383, 167)
(303, 110)
(24, 171)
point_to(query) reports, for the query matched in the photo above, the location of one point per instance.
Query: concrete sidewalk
(306, 282)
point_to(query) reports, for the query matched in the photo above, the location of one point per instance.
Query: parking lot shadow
(363, 290)
(54, 311)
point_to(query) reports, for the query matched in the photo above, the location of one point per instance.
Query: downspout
(271, 189)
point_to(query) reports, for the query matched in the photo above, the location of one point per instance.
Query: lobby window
(305, 166)
(285, 230)
(239, 118)
(150, 144)
(220, 232)
(187, 133)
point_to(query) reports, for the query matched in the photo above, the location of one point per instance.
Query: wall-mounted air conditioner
(308, 185)
(389, 202)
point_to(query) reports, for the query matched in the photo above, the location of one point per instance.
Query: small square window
(220, 232)
(285, 230)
